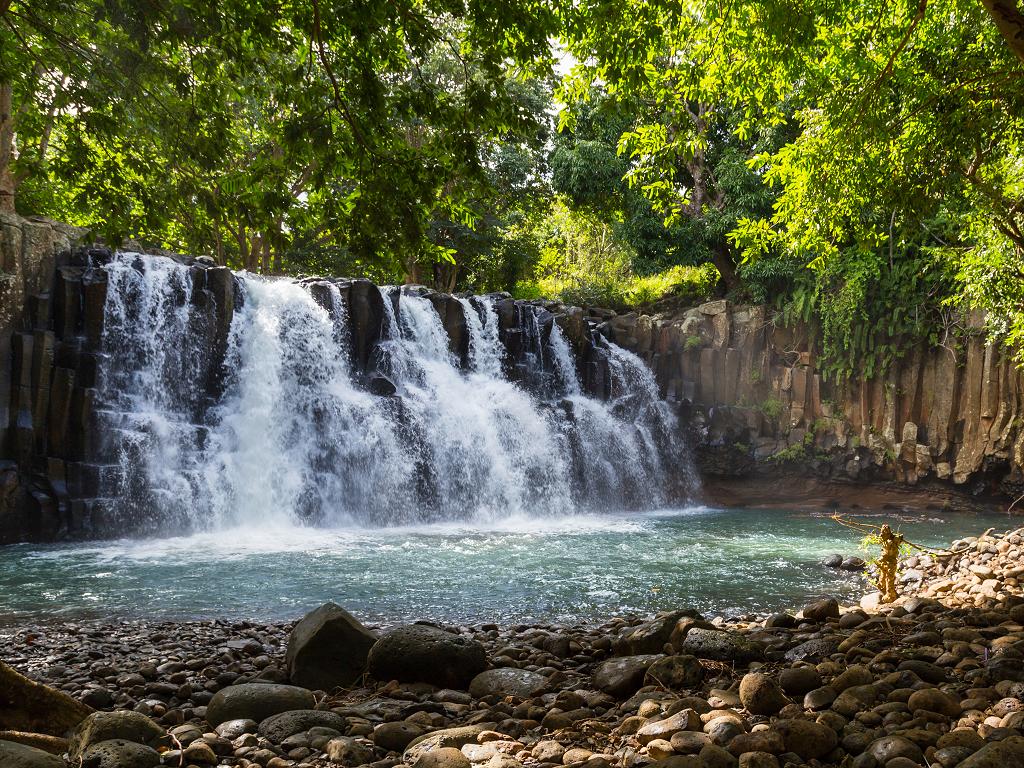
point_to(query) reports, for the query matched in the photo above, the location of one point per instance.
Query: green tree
(905, 147)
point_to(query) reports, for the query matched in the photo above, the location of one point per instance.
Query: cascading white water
(297, 437)
(485, 350)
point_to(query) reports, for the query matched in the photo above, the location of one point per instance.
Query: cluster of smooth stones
(935, 679)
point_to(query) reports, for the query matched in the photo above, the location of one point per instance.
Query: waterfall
(302, 432)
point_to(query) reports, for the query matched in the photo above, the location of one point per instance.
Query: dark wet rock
(422, 653)
(822, 610)
(279, 727)
(327, 649)
(256, 701)
(396, 736)
(119, 753)
(811, 740)
(797, 681)
(106, 726)
(13, 755)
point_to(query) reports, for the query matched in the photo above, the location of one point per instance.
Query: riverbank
(938, 676)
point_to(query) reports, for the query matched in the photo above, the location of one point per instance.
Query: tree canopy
(858, 164)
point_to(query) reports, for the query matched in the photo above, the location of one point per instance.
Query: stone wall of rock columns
(759, 400)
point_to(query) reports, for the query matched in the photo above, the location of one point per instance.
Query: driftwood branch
(34, 708)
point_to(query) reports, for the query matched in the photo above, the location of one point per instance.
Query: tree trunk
(7, 181)
(723, 261)
(28, 706)
(445, 274)
(1009, 21)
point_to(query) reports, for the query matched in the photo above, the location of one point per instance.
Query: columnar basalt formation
(760, 400)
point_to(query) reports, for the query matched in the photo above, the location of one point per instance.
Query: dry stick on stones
(891, 542)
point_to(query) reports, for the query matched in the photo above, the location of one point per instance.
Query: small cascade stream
(322, 413)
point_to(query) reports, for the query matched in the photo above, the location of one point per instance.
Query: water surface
(575, 569)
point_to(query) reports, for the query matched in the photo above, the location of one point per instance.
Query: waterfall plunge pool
(548, 570)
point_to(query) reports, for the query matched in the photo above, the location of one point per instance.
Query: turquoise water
(576, 569)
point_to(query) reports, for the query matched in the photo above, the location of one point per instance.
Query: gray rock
(14, 755)
(118, 753)
(327, 649)
(507, 681)
(256, 701)
(814, 649)
(422, 653)
(279, 727)
(720, 646)
(622, 677)
(106, 726)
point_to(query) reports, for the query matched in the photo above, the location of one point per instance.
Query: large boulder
(427, 654)
(327, 649)
(256, 701)
(507, 681)
(13, 755)
(108, 726)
